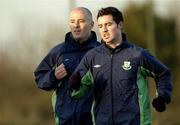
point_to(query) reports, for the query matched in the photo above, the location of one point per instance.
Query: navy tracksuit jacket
(67, 110)
(119, 83)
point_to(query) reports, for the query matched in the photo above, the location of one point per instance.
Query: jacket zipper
(111, 85)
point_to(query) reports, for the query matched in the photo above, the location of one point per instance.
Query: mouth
(77, 31)
(106, 35)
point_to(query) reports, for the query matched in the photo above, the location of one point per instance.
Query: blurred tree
(151, 45)
(166, 40)
(139, 25)
(135, 24)
(177, 58)
(177, 17)
(21, 101)
(153, 32)
(150, 31)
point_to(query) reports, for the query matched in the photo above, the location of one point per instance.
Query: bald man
(54, 70)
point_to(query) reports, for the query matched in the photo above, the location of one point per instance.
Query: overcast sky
(33, 18)
(38, 13)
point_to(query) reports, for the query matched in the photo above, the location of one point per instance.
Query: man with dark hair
(116, 14)
(54, 70)
(117, 71)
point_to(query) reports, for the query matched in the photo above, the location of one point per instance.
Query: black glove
(75, 81)
(159, 104)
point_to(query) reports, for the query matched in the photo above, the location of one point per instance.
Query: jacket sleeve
(44, 73)
(81, 80)
(160, 73)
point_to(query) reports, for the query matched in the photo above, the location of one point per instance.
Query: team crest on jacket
(127, 65)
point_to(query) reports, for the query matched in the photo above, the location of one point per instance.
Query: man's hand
(159, 104)
(60, 72)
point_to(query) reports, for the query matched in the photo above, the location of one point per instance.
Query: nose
(105, 28)
(77, 24)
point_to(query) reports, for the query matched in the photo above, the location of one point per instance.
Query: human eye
(109, 24)
(72, 21)
(81, 21)
(99, 25)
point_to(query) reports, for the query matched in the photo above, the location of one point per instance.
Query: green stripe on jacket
(143, 95)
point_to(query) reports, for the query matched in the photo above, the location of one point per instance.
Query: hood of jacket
(71, 44)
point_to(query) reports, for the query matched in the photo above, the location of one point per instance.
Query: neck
(116, 42)
(113, 46)
(84, 39)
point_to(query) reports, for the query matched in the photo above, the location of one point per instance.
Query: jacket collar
(72, 45)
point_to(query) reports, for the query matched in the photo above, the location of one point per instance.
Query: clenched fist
(60, 72)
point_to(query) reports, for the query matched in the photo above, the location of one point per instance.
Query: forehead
(105, 19)
(77, 14)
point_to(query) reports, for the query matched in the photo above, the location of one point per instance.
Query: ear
(91, 24)
(120, 25)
